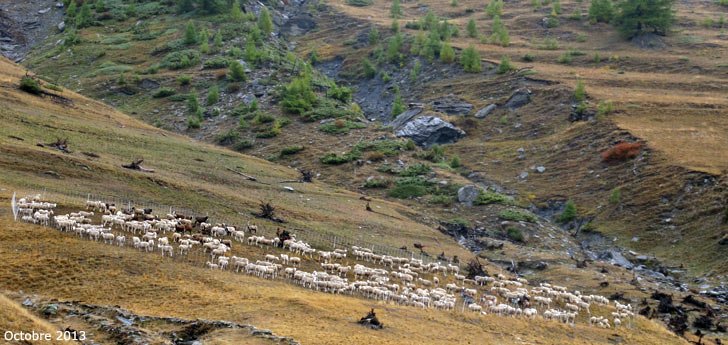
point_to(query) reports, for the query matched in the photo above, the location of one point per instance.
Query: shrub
(340, 126)
(252, 55)
(181, 59)
(515, 234)
(576, 14)
(434, 154)
(298, 96)
(569, 212)
(397, 106)
(339, 93)
(487, 197)
(615, 196)
(232, 88)
(213, 95)
(237, 72)
(290, 150)
(528, 57)
(360, 3)
(263, 118)
(84, 18)
(164, 92)
(447, 54)
(227, 138)
(601, 11)
(325, 112)
(505, 66)
(407, 191)
(415, 71)
(564, 58)
(190, 36)
(376, 183)
(579, 91)
(333, 158)
(369, 70)
(552, 21)
(455, 162)
(53, 87)
(459, 221)
(517, 216)
(193, 122)
(414, 180)
(30, 85)
(192, 104)
(604, 108)
(637, 16)
(396, 10)
(216, 62)
(589, 227)
(470, 59)
(622, 152)
(416, 170)
(184, 79)
(243, 145)
(375, 156)
(441, 199)
(494, 8)
(409, 145)
(472, 29)
(265, 24)
(550, 44)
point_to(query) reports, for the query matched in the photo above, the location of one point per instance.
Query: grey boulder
(518, 99)
(468, 194)
(426, 131)
(485, 111)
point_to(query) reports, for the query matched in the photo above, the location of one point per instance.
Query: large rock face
(426, 131)
(452, 105)
(468, 194)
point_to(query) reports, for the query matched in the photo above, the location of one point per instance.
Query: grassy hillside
(187, 173)
(150, 286)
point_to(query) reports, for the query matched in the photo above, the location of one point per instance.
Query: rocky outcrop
(518, 99)
(405, 117)
(452, 105)
(485, 111)
(468, 194)
(426, 131)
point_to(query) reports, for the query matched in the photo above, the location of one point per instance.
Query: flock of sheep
(389, 279)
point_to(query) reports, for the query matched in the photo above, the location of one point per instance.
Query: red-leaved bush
(622, 152)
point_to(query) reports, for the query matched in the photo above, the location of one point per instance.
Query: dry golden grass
(44, 261)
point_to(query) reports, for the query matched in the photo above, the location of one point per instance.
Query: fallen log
(251, 178)
(136, 166)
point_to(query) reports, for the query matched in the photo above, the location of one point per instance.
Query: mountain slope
(188, 174)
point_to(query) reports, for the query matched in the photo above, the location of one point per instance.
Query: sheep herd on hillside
(404, 281)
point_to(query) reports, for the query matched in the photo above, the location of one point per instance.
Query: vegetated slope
(664, 202)
(187, 173)
(672, 194)
(669, 95)
(44, 261)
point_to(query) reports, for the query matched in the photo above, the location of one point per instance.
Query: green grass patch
(517, 216)
(407, 191)
(340, 126)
